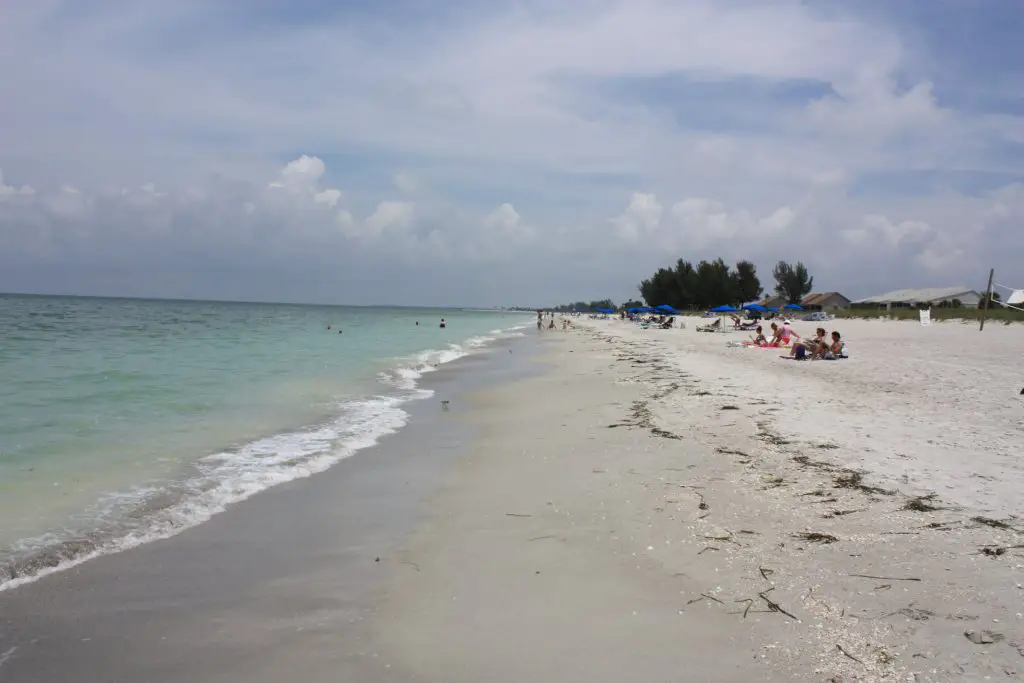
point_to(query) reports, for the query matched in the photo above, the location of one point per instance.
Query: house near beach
(920, 298)
(815, 301)
(773, 301)
(824, 301)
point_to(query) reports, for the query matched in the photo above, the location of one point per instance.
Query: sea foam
(158, 511)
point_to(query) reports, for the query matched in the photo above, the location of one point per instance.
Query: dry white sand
(934, 408)
(658, 507)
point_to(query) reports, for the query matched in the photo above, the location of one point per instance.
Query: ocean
(124, 421)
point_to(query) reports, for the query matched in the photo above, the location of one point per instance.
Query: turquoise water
(123, 420)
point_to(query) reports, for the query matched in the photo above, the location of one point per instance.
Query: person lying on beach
(739, 323)
(812, 347)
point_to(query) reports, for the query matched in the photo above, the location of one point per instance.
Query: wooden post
(988, 298)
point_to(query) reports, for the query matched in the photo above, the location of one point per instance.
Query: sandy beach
(661, 507)
(623, 504)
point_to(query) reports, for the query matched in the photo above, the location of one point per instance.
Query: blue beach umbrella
(665, 308)
(755, 307)
(725, 309)
(794, 307)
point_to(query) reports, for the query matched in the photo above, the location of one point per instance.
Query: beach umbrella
(724, 309)
(794, 307)
(665, 308)
(755, 307)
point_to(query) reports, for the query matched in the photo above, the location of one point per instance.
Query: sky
(498, 153)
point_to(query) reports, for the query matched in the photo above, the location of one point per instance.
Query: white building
(909, 298)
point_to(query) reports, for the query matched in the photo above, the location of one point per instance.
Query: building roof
(910, 296)
(816, 298)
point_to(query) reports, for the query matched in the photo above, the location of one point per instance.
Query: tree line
(714, 283)
(584, 306)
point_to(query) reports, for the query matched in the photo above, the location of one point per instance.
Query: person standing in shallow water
(443, 324)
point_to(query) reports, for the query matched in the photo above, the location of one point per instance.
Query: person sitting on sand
(758, 339)
(812, 347)
(787, 333)
(837, 349)
(776, 339)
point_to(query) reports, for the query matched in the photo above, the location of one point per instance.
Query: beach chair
(713, 327)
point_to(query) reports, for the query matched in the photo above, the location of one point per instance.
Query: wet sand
(620, 507)
(273, 588)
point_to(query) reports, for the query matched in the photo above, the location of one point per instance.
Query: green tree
(660, 288)
(792, 282)
(747, 284)
(716, 285)
(709, 283)
(685, 285)
(584, 307)
(995, 297)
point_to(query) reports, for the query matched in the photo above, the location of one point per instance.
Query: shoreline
(199, 489)
(259, 584)
(598, 505)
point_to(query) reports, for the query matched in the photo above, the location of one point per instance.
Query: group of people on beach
(566, 323)
(822, 345)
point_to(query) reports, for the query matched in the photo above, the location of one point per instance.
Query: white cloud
(565, 108)
(407, 183)
(391, 216)
(640, 218)
(329, 197)
(505, 217)
(505, 229)
(870, 106)
(11, 191)
(896, 234)
(303, 172)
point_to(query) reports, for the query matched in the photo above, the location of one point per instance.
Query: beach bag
(801, 353)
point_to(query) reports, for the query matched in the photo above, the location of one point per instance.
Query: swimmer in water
(443, 323)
